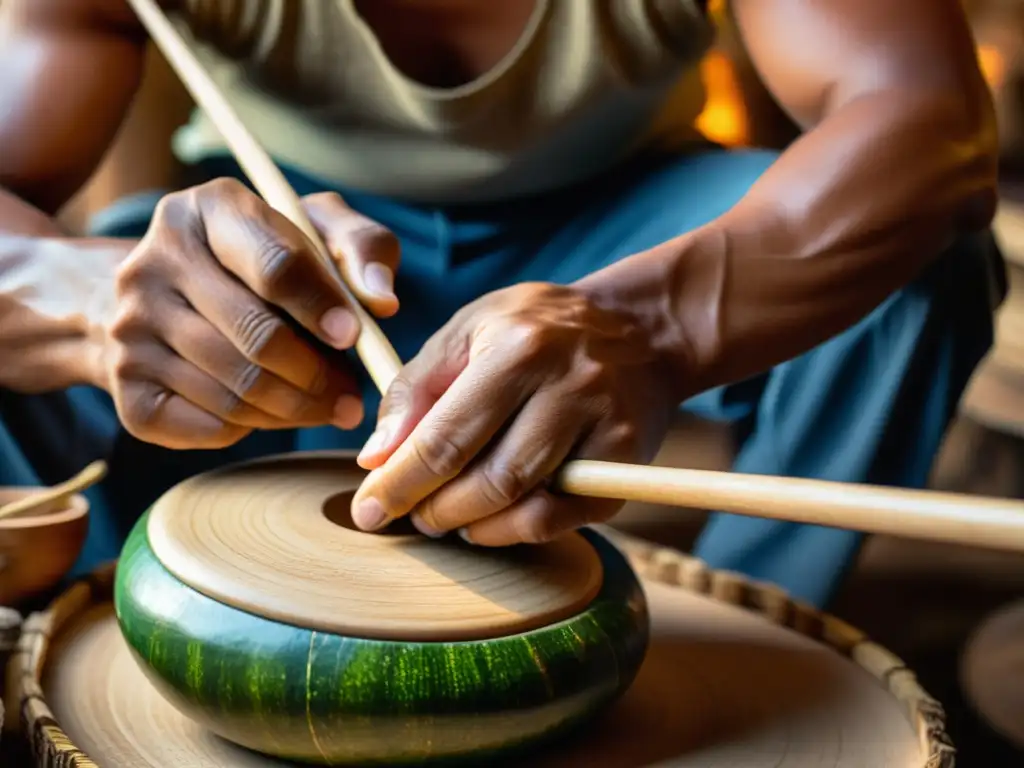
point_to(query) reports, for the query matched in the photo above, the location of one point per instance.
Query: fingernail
(421, 525)
(464, 535)
(340, 326)
(379, 279)
(376, 442)
(369, 515)
(348, 412)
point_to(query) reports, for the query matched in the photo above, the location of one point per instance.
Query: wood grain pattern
(274, 537)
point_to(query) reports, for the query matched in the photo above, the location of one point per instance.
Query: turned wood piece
(258, 610)
(275, 538)
(736, 674)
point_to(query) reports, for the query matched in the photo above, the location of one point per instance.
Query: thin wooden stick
(88, 477)
(374, 349)
(948, 517)
(920, 514)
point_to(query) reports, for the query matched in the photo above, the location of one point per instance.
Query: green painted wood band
(311, 696)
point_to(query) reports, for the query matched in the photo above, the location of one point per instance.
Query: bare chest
(446, 43)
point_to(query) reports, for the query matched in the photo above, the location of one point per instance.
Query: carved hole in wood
(338, 509)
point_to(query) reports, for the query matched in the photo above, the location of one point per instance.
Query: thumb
(366, 252)
(411, 395)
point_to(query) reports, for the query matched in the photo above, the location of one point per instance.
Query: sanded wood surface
(275, 538)
(737, 675)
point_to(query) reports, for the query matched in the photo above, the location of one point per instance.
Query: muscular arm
(898, 157)
(71, 68)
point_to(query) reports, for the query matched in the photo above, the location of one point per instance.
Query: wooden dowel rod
(918, 514)
(374, 349)
(928, 515)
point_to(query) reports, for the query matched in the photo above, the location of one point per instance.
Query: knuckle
(588, 375)
(624, 436)
(504, 484)
(442, 456)
(525, 340)
(245, 381)
(222, 186)
(125, 365)
(128, 274)
(174, 209)
(369, 237)
(274, 259)
(397, 397)
(324, 201)
(136, 319)
(141, 410)
(538, 528)
(128, 324)
(255, 329)
(232, 405)
(139, 270)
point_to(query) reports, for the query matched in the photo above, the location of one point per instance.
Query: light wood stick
(374, 349)
(929, 515)
(88, 477)
(918, 514)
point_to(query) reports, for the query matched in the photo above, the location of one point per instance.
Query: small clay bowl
(38, 547)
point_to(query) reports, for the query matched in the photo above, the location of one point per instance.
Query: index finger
(275, 259)
(459, 425)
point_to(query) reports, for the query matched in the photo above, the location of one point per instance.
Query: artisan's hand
(517, 383)
(213, 307)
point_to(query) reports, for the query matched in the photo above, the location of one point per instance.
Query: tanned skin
(898, 158)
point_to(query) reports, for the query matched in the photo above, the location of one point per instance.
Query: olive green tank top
(587, 83)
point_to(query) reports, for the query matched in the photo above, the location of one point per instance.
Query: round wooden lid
(275, 538)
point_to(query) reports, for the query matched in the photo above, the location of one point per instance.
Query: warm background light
(993, 65)
(724, 118)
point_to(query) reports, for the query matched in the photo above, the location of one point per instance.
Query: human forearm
(56, 297)
(848, 214)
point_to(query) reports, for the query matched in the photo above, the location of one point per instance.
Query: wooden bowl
(38, 548)
(259, 611)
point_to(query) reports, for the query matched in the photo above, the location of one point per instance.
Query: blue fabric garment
(871, 405)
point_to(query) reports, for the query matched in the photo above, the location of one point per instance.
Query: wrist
(644, 288)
